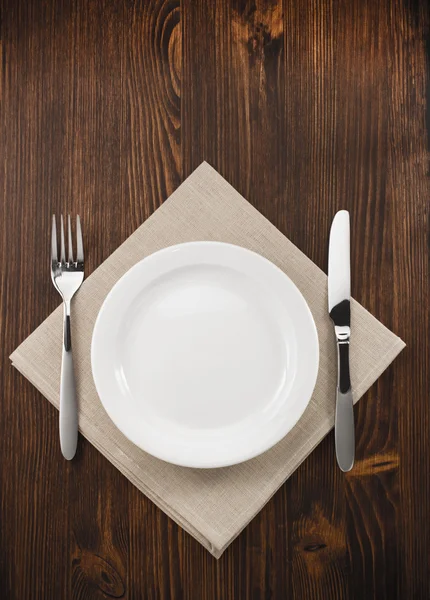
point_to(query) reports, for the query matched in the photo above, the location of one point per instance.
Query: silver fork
(67, 277)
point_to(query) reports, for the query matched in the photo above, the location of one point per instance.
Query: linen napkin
(212, 505)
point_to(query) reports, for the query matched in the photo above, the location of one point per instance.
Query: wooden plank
(408, 191)
(34, 530)
(362, 147)
(233, 116)
(151, 168)
(317, 509)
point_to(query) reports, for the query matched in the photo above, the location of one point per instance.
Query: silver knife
(339, 294)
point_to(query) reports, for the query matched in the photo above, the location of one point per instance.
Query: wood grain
(305, 107)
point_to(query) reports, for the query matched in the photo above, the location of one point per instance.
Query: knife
(339, 293)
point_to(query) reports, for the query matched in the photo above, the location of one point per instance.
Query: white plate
(205, 354)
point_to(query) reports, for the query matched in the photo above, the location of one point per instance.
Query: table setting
(214, 300)
(207, 357)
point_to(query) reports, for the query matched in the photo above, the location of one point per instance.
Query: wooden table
(305, 107)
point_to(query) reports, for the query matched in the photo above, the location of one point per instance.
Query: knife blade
(339, 296)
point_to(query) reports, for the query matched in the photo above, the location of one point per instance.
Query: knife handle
(344, 420)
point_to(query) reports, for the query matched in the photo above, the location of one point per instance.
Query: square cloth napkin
(212, 505)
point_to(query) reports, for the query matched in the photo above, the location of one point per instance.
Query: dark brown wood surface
(305, 106)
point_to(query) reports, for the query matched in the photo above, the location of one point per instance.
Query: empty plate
(205, 354)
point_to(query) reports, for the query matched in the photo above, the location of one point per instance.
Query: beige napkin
(212, 505)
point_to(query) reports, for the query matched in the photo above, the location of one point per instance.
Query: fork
(67, 277)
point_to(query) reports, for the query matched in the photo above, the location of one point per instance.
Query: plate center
(200, 348)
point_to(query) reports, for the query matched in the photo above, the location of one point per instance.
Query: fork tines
(79, 242)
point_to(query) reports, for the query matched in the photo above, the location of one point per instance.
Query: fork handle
(68, 404)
